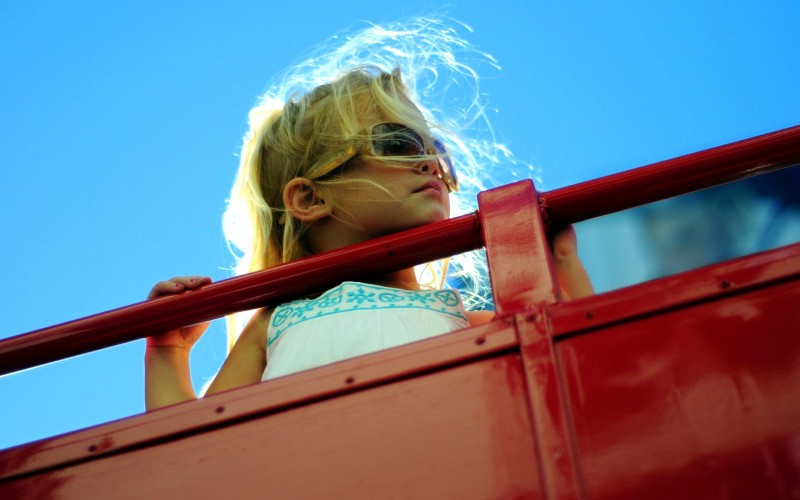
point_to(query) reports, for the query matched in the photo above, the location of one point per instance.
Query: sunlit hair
(314, 111)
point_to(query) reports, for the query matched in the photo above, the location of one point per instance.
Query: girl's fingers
(191, 281)
(571, 274)
(177, 285)
(165, 288)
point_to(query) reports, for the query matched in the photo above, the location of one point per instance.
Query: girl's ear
(305, 201)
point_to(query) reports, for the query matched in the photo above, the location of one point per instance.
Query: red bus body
(683, 387)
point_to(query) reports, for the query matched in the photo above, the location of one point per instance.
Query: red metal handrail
(271, 286)
(560, 207)
(665, 179)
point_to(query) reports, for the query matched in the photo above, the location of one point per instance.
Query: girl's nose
(429, 166)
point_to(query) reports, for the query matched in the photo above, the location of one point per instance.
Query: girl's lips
(430, 185)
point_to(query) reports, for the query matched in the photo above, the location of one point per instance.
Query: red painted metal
(687, 399)
(518, 256)
(558, 461)
(684, 387)
(679, 290)
(687, 386)
(517, 250)
(386, 441)
(701, 401)
(674, 177)
(273, 286)
(277, 395)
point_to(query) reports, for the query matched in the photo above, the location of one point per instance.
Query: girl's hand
(186, 337)
(572, 276)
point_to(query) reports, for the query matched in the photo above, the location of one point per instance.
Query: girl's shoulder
(479, 317)
(255, 331)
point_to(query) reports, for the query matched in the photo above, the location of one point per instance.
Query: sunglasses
(393, 140)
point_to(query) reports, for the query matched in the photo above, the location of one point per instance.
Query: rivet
(589, 315)
(530, 318)
(480, 341)
(725, 284)
(349, 380)
(93, 448)
(220, 409)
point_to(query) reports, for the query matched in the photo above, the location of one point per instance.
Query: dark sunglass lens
(396, 140)
(446, 162)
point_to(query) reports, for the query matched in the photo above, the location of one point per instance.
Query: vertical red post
(516, 248)
(524, 284)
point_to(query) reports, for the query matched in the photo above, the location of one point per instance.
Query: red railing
(560, 207)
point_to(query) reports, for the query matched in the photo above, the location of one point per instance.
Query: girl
(348, 161)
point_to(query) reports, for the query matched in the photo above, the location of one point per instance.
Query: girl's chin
(424, 222)
(432, 220)
(436, 216)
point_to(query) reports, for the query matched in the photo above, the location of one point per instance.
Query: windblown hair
(299, 139)
(314, 112)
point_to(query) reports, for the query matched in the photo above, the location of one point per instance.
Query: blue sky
(120, 123)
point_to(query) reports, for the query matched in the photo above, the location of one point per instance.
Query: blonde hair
(299, 139)
(314, 112)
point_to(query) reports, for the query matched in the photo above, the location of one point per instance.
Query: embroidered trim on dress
(343, 299)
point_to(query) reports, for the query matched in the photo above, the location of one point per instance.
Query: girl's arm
(167, 372)
(247, 360)
(168, 378)
(572, 276)
(166, 360)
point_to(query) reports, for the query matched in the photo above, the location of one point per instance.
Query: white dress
(354, 319)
